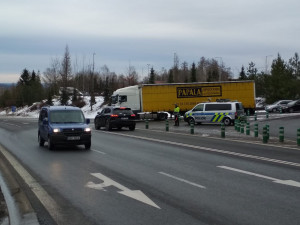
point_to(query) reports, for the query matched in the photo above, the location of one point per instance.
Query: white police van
(215, 112)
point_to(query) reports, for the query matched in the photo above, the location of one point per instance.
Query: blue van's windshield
(67, 116)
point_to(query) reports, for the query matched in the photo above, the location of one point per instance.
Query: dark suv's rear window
(123, 111)
(217, 107)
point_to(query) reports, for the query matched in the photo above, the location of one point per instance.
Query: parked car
(215, 112)
(293, 106)
(115, 117)
(63, 125)
(276, 106)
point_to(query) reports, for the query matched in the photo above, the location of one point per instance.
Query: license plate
(124, 118)
(73, 138)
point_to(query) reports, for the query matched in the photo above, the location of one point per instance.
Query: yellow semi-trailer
(157, 99)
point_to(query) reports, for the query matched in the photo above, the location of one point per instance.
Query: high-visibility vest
(176, 110)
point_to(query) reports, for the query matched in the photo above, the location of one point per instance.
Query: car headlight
(87, 129)
(56, 130)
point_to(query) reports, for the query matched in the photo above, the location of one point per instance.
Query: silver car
(276, 106)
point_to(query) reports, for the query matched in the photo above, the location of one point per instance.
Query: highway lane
(185, 180)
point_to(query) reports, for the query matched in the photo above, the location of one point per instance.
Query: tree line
(281, 83)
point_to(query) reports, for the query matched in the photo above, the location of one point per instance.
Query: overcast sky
(142, 32)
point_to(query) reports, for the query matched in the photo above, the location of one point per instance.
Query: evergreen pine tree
(193, 73)
(152, 76)
(242, 74)
(49, 99)
(64, 97)
(170, 76)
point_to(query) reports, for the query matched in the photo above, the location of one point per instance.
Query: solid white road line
(47, 201)
(275, 180)
(182, 180)
(103, 153)
(210, 149)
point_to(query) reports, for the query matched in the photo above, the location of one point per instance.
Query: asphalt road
(150, 176)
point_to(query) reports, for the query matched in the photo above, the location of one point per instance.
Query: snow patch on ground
(33, 110)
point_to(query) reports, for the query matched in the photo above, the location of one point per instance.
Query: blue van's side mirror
(88, 121)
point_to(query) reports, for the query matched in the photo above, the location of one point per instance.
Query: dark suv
(63, 125)
(115, 117)
(293, 106)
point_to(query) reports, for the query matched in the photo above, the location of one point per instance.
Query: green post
(268, 131)
(298, 137)
(255, 116)
(236, 124)
(239, 126)
(192, 128)
(167, 125)
(248, 112)
(265, 136)
(256, 130)
(248, 129)
(242, 127)
(222, 130)
(267, 115)
(147, 124)
(281, 134)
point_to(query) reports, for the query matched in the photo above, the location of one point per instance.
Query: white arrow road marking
(182, 180)
(135, 194)
(275, 180)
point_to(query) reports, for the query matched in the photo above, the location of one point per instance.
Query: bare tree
(66, 70)
(51, 76)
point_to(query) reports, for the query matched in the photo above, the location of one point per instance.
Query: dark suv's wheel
(107, 125)
(132, 127)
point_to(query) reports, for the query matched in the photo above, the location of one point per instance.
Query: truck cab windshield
(122, 98)
(114, 99)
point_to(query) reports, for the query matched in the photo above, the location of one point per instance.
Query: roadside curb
(19, 207)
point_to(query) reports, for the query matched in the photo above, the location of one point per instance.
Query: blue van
(63, 125)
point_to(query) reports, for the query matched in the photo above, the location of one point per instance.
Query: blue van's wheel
(227, 121)
(97, 125)
(50, 144)
(88, 146)
(41, 140)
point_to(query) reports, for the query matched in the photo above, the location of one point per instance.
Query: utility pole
(148, 69)
(266, 69)
(92, 88)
